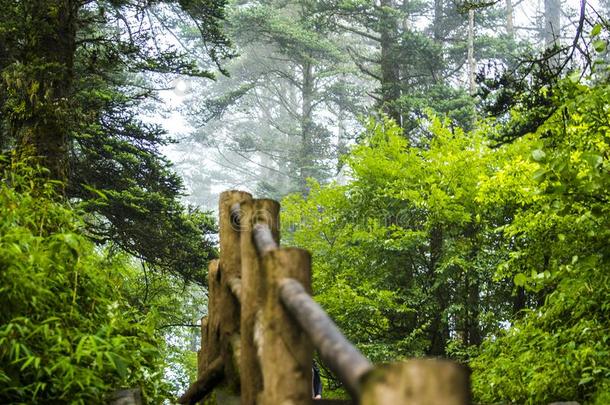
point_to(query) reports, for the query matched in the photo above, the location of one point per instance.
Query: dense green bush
(67, 335)
(560, 350)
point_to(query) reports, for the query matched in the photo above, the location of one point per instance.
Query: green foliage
(434, 248)
(67, 332)
(72, 90)
(272, 23)
(405, 251)
(456, 105)
(559, 351)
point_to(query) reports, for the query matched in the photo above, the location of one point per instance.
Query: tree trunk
(45, 76)
(438, 21)
(472, 87)
(552, 21)
(307, 127)
(552, 30)
(474, 327)
(510, 27)
(390, 74)
(439, 329)
(342, 147)
(519, 301)
(473, 286)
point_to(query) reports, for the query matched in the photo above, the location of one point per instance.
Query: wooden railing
(263, 326)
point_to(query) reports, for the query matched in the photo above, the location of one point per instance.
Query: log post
(417, 382)
(287, 353)
(202, 357)
(252, 213)
(211, 340)
(228, 307)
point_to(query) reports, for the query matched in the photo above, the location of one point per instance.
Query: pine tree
(290, 70)
(71, 88)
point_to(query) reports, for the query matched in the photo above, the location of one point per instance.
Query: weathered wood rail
(262, 327)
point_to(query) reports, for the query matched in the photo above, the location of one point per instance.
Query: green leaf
(599, 45)
(538, 155)
(29, 361)
(593, 159)
(520, 279)
(596, 30)
(118, 363)
(539, 174)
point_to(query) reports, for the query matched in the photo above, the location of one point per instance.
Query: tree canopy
(73, 83)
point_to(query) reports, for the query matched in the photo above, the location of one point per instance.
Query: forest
(446, 164)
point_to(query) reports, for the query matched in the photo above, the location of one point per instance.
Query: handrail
(263, 239)
(204, 384)
(235, 288)
(338, 353)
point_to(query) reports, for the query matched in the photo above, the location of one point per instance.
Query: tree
(433, 249)
(71, 88)
(557, 351)
(528, 83)
(37, 65)
(552, 30)
(404, 254)
(290, 76)
(422, 55)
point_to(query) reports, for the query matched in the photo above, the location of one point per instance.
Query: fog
(266, 129)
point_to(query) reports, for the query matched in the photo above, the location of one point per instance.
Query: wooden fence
(262, 328)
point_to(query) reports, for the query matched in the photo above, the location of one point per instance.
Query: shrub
(66, 332)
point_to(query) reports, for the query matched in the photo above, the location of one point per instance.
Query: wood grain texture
(287, 352)
(253, 213)
(417, 382)
(228, 307)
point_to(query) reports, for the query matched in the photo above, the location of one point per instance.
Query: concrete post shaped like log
(417, 382)
(228, 307)
(252, 213)
(287, 352)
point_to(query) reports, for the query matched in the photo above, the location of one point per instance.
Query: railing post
(229, 267)
(287, 352)
(258, 211)
(202, 354)
(210, 345)
(210, 369)
(417, 381)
